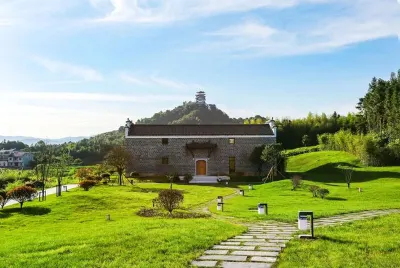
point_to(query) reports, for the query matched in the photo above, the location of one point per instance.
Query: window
(232, 141)
(232, 165)
(164, 161)
(164, 141)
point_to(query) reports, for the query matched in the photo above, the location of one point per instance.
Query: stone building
(200, 150)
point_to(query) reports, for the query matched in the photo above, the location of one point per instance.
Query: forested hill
(191, 113)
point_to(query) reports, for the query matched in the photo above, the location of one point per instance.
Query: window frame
(165, 160)
(164, 141)
(232, 161)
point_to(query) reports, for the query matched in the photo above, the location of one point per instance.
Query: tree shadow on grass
(34, 211)
(335, 198)
(335, 240)
(332, 173)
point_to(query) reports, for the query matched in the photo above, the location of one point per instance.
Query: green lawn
(367, 243)
(71, 231)
(381, 187)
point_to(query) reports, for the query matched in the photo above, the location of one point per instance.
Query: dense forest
(378, 116)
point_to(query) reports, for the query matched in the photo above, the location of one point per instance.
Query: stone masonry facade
(148, 153)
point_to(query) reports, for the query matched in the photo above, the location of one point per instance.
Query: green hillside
(191, 113)
(320, 161)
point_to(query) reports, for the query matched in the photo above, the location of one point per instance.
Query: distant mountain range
(32, 140)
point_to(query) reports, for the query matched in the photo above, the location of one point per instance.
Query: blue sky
(81, 67)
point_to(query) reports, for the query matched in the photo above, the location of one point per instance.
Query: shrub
(29, 184)
(149, 212)
(106, 176)
(4, 198)
(302, 150)
(37, 184)
(83, 173)
(323, 192)
(170, 199)
(21, 194)
(314, 190)
(87, 184)
(188, 178)
(296, 182)
(134, 174)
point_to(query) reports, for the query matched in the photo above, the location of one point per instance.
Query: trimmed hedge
(302, 150)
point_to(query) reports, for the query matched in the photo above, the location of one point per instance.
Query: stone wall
(147, 154)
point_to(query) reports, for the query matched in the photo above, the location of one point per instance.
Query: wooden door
(201, 167)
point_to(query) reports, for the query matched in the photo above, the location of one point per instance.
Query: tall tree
(43, 159)
(119, 159)
(60, 167)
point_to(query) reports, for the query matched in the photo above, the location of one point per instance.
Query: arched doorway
(201, 167)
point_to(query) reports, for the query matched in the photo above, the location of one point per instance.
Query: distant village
(15, 159)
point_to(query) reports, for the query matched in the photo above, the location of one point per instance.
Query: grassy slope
(72, 230)
(380, 190)
(369, 243)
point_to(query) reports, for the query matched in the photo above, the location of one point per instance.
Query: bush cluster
(87, 184)
(170, 199)
(318, 191)
(371, 149)
(301, 150)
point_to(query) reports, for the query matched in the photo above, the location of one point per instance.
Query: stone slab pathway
(260, 246)
(49, 191)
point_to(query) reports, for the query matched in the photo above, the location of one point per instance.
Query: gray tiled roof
(200, 130)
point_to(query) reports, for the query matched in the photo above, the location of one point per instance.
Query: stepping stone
(223, 258)
(246, 240)
(244, 237)
(278, 240)
(256, 253)
(216, 252)
(278, 249)
(263, 259)
(230, 243)
(262, 244)
(204, 263)
(235, 247)
(245, 265)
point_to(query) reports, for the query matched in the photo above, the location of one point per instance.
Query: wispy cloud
(85, 73)
(158, 81)
(95, 97)
(161, 11)
(358, 21)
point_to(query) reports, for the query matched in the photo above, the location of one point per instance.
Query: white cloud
(85, 73)
(358, 21)
(158, 81)
(161, 11)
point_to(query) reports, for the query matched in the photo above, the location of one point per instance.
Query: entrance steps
(208, 179)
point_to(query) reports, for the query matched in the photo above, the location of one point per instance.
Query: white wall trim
(201, 137)
(195, 165)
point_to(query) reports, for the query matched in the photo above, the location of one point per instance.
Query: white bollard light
(241, 192)
(262, 209)
(220, 206)
(302, 224)
(251, 187)
(220, 199)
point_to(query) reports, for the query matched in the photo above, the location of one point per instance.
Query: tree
(118, 158)
(305, 140)
(348, 174)
(43, 159)
(4, 198)
(272, 156)
(61, 167)
(170, 199)
(83, 173)
(21, 194)
(255, 158)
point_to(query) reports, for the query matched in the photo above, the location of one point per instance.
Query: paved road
(49, 191)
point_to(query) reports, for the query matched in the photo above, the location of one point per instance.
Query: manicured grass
(368, 243)
(72, 231)
(381, 187)
(319, 160)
